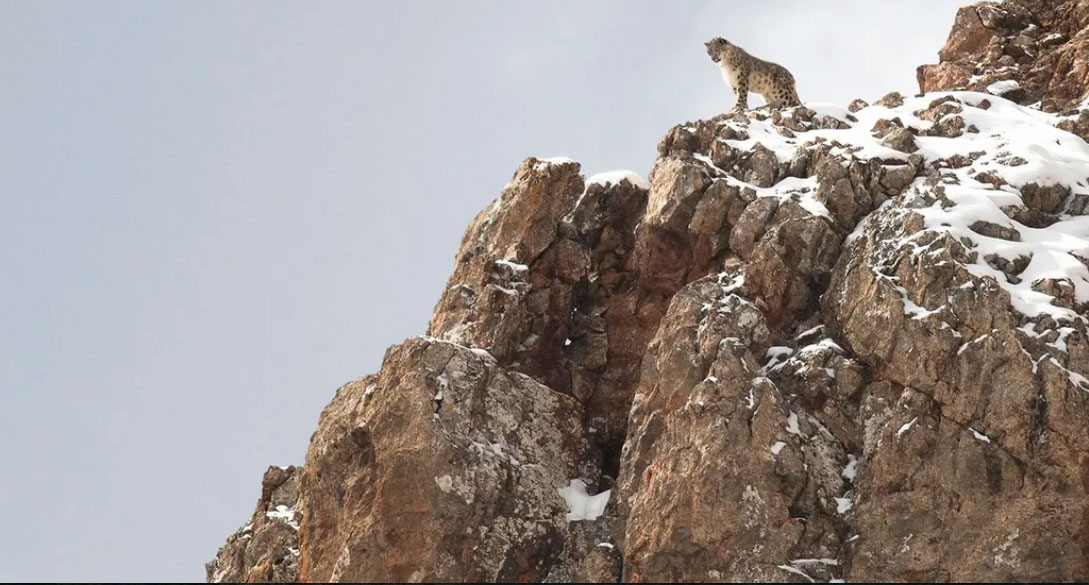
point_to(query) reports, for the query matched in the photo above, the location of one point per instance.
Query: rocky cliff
(822, 343)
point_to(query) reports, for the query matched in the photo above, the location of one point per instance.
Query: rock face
(1028, 51)
(817, 344)
(266, 549)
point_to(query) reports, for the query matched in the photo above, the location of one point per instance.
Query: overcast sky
(215, 213)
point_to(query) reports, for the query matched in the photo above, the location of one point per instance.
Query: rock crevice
(818, 343)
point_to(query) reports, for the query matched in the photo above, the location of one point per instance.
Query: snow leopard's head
(716, 47)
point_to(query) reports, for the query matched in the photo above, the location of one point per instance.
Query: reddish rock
(1042, 45)
(838, 351)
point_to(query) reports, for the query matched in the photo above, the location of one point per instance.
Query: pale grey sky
(214, 213)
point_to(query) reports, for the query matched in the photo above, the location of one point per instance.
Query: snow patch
(557, 160)
(850, 471)
(792, 424)
(906, 427)
(581, 505)
(616, 177)
(516, 267)
(843, 505)
(796, 571)
(1003, 87)
(284, 513)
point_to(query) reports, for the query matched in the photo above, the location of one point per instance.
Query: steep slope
(818, 343)
(1029, 51)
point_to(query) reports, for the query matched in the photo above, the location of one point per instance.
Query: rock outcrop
(819, 343)
(266, 549)
(1028, 51)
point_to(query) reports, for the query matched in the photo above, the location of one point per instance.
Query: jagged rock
(721, 480)
(891, 100)
(818, 343)
(545, 282)
(900, 139)
(1029, 50)
(1077, 123)
(946, 341)
(266, 549)
(444, 466)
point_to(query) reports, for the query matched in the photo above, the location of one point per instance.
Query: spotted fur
(745, 73)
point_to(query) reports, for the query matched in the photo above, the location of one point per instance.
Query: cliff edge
(819, 343)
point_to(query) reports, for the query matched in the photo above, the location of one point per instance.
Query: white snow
(796, 571)
(1003, 87)
(557, 160)
(851, 469)
(612, 178)
(824, 344)
(776, 357)
(580, 505)
(777, 351)
(792, 424)
(906, 427)
(284, 513)
(482, 353)
(843, 505)
(826, 562)
(616, 177)
(442, 383)
(979, 436)
(1018, 144)
(777, 447)
(516, 267)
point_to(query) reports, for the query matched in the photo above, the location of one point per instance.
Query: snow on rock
(1003, 87)
(843, 505)
(609, 179)
(557, 160)
(792, 424)
(1002, 156)
(616, 177)
(906, 427)
(282, 512)
(850, 471)
(1015, 147)
(744, 241)
(581, 505)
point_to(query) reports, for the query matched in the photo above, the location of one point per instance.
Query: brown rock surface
(444, 467)
(1043, 45)
(852, 347)
(266, 549)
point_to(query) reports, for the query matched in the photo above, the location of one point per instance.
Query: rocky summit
(819, 343)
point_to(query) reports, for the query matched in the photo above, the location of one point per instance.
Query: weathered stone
(783, 358)
(1035, 43)
(266, 549)
(900, 139)
(441, 437)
